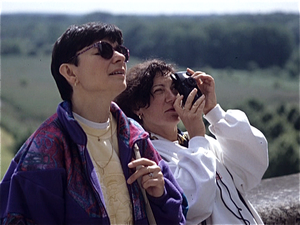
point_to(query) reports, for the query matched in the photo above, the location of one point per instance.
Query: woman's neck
(169, 133)
(94, 110)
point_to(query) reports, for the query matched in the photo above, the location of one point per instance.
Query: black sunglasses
(106, 50)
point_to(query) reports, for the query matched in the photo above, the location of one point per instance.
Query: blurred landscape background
(254, 59)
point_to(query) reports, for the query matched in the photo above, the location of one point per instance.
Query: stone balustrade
(277, 199)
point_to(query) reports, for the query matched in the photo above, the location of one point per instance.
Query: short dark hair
(139, 81)
(75, 38)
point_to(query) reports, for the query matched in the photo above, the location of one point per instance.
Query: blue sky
(153, 7)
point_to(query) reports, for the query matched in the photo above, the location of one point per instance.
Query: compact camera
(184, 84)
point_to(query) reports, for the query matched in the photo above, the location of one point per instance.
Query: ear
(66, 70)
(139, 113)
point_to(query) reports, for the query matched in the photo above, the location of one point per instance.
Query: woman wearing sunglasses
(79, 167)
(215, 174)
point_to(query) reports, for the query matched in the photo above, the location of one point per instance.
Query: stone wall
(277, 200)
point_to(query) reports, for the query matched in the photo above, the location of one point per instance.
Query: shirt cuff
(215, 115)
(197, 141)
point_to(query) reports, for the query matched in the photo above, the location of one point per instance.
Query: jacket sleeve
(172, 205)
(32, 197)
(244, 149)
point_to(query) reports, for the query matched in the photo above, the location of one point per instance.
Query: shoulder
(43, 148)
(128, 129)
(135, 125)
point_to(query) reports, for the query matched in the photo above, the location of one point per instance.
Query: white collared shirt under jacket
(210, 171)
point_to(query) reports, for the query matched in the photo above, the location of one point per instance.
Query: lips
(170, 110)
(118, 72)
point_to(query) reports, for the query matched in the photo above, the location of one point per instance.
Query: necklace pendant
(102, 171)
(99, 139)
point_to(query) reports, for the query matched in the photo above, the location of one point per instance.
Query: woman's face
(97, 75)
(160, 114)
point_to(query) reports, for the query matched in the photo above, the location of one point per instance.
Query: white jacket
(238, 148)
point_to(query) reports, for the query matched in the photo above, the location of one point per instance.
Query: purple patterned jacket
(51, 180)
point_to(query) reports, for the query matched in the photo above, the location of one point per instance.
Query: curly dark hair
(139, 81)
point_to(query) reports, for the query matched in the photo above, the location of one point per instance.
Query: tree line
(225, 41)
(281, 127)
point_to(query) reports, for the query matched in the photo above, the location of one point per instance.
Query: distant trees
(10, 48)
(31, 34)
(281, 128)
(238, 41)
(292, 65)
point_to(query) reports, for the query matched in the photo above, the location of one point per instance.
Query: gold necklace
(112, 149)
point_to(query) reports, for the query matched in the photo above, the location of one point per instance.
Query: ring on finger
(150, 175)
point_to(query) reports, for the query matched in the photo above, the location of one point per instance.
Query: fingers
(201, 77)
(178, 104)
(144, 167)
(191, 115)
(149, 175)
(190, 71)
(151, 179)
(206, 84)
(141, 162)
(189, 106)
(198, 105)
(190, 99)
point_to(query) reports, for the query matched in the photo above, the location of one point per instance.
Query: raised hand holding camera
(206, 84)
(184, 84)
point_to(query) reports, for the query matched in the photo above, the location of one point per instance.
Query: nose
(118, 56)
(170, 96)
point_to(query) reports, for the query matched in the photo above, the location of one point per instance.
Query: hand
(152, 179)
(191, 114)
(206, 84)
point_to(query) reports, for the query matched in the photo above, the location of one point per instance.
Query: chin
(173, 119)
(175, 116)
(176, 119)
(121, 89)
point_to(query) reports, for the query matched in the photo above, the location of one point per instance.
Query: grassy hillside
(27, 84)
(29, 94)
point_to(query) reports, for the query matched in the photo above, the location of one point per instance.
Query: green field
(6, 155)
(27, 83)
(29, 94)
